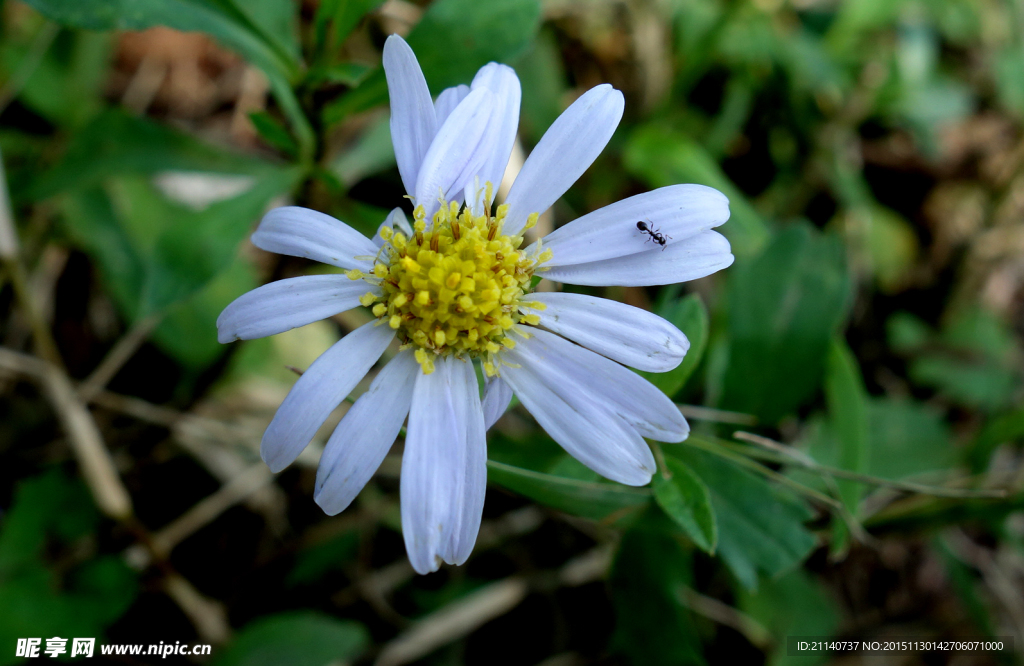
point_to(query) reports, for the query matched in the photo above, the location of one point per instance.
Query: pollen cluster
(456, 288)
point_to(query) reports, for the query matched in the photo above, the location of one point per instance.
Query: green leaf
(188, 331)
(201, 244)
(760, 526)
(318, 560)
(273, 133)
(276, 21)
(347, 73)
(89, 219)
(49, 514)
(153, 253)
(588, 499)
(848, 410)
(690, 316)
(542, 75)
(784, 307)
(847, 407)
(999, 430)
(335, 20)
(187, 15)
(74, 67)
(661, 156)
(117, 143)
(907, 438)
(217, 18)
(472, 33)
(649, 577)
(370, 153)
(684, 497)
(984, 385)
(793, 605)
(300, 638)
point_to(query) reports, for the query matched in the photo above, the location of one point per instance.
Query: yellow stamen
(456, 289)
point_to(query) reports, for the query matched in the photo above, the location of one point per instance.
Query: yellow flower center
(455, 289)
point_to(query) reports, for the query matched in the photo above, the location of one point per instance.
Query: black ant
(655, 235)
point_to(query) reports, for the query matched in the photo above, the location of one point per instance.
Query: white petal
(413, 122)
(444, 467)
(286, 304)
(447, 101)
(676, 212)
(362, 439)
(301, 232)
(566, 150)
(458, 151)
(589, 432)
(395, 220)
(638, 402)
(503, 82)
(693, 258)
(319, 390)
(623, 333)
(497, 396)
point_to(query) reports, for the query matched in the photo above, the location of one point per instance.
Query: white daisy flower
(455, 287)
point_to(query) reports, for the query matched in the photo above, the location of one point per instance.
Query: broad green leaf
(970, 362)
(190, 253)
(276, 21)
(661, 156)
(999, 430)
(684, 497)
(370, 153)
(691, 317)
(649, 579)
(49, 513)
(784, 307)
(847, 407)
(74, 67)
(848, 410)
(153, 253)
(907, 438)
(89, 219)
(976, 330)
(760, 526)
(298, 638)
(116, 143)
(209, 16)
(983, 385)
(452, 41)
(906, 333)
(588, 499)
(188, 331)
(1009, 83)
(218, 18)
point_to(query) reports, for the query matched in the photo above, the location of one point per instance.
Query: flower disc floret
(455, 288)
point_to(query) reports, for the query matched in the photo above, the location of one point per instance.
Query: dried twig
(84, 436)
(717, 415)
(119, 354)
(209, 617)
(461, 617)
(210, 507)
(908, 486)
